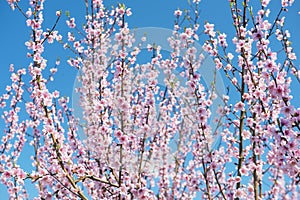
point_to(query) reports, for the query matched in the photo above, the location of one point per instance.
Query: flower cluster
(147, 140)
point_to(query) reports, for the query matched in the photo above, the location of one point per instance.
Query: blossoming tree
(130, 121)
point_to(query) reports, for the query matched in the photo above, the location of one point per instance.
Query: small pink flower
(246, 134)
(222, 40)
(287, 110)
(218, 63)
(29, 12)
(71, 23)
(265, 3)
(270, 65)
(14, 77)
(58, 13)
(257, 35)
(239, 106)
(128, 12)
(244, 171)
(177, 12)
(230, 56)
(118, 133)
(250, 189)
(29, 22)
(118, 37)
(6, 174)
(55, 94)
(149, 47)
(121, 10)
(123, 139)
(183, 36)
(209, 29)
(240, 193)
(285, 3)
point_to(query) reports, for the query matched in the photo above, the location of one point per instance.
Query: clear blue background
(146, 13)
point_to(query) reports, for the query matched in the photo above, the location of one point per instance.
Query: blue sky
(154, 13)
(146, 13)
(150, 13)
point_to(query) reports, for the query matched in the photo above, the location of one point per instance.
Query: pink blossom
(265, 3)
(71, 23)
(287, 110)
(209, 29)
(239, 106)
(58, 13)
(177, 12)
(149, 128)
(240, 193)
(218, 63)
(257, 35)
(56, 94)
(285, 3)
(222, 40)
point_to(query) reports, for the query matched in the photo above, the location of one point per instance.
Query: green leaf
(251, 10)
(122, 5)
(244, 5)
